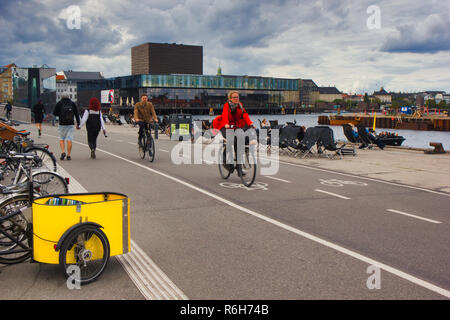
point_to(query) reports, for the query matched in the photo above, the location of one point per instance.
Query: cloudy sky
(358, 46)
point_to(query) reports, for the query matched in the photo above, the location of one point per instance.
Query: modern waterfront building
(195, 93)
(33, 84)
(165, 58)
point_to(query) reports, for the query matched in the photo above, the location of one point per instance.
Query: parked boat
(391, 139)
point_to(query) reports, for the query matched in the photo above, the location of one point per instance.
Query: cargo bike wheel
(84, 254)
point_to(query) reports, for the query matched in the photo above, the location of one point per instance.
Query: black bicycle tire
(253, 168)
(224, 175)
(45, 151)
(143, 149)
(68, 243)
(151, 149)
(3, 255)
(55, 176)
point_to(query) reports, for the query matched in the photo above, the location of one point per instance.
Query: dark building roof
(329, 90)
(382, 92)
(82, 75)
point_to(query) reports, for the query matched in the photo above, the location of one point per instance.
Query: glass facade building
(193, 93)
(33, 84)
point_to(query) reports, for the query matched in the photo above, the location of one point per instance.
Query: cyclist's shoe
(69, 158)
(63, 155)
(93, 154)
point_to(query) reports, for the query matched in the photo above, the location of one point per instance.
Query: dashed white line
(275, 178)
(163, 150)
(332, 194)
(413, 216)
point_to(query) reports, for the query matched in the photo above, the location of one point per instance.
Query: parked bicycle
(14, 223)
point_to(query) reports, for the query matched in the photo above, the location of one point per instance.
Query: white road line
(275, 178)
(163, 150)
(311, 237)
(332, 194)
(359, 177)
(413, 216)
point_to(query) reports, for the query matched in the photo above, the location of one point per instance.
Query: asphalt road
(298, 235)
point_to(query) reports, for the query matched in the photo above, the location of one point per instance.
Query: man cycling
(143, 113)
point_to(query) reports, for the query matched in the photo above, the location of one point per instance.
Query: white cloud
(327, 41)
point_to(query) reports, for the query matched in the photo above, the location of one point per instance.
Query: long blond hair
(230, 93)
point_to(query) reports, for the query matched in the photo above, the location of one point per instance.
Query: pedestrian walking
(94, 122)
(8, 109)
(38, 110)
(66, 110)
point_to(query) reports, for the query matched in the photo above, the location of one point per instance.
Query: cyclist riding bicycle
(143, 114)
(234, 116)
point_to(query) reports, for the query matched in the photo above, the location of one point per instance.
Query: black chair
(369, 139)
(288, 138)
(310, 139)
(348, 132)
(273, 123)
(326, 142)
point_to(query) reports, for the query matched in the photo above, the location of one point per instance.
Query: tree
(366, 98)
(430, 103)
(442, 104)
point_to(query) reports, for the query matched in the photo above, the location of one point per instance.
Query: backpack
(66, 114)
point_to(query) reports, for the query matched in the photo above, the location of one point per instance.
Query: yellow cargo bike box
(56, 217)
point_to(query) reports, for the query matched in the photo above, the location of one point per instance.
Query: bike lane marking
(412, 216)
(332, 194)
(275, 178)
(284, 226)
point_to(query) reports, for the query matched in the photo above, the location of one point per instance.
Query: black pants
(93, 128)
(142, 127)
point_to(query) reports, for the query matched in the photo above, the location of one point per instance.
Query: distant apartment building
(383, 96)
(329, 94)
(164, 58)
(66, 82)
(6, 84)
(353, 97)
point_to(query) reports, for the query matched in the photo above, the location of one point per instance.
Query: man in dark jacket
(66, 110)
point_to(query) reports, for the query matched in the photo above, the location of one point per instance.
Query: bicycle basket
(7, 132)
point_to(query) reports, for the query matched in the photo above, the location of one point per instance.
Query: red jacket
(239, 118)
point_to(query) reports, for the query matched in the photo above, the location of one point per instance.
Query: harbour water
(414, 138)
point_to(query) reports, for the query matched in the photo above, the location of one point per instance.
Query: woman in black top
(94, 122)
(38, 110)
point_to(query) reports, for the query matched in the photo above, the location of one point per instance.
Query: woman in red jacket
(233, 114)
